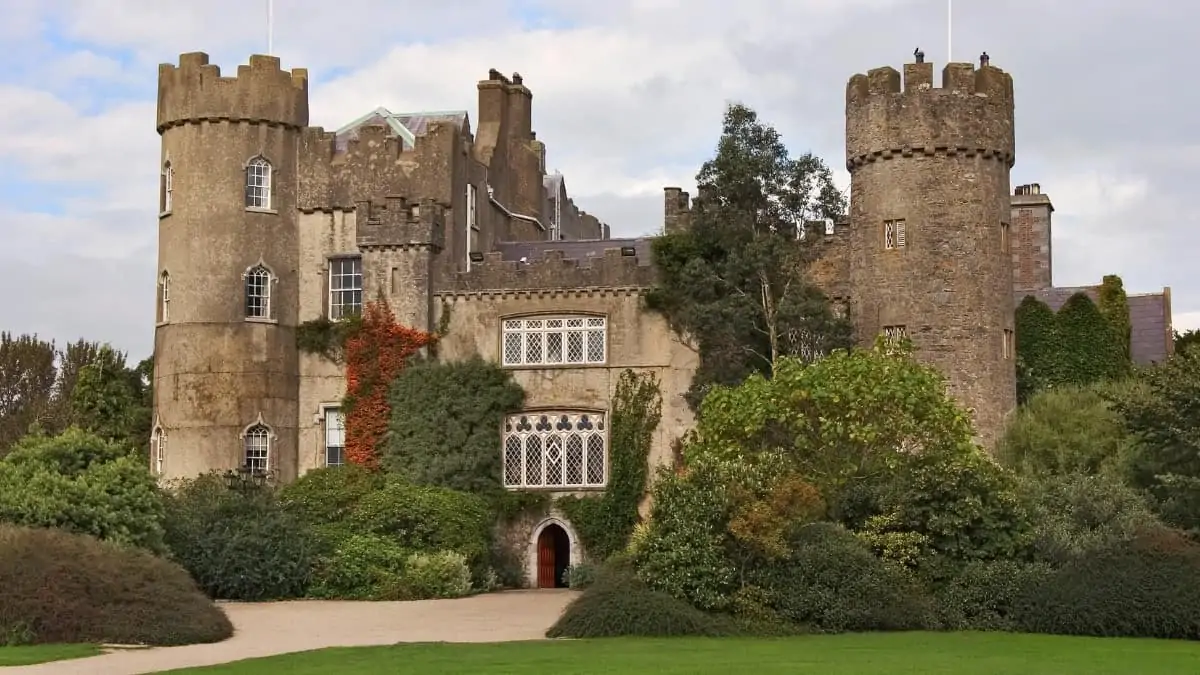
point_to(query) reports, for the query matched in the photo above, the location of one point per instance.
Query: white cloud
(627, 95)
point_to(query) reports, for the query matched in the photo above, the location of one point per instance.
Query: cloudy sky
(628, 95)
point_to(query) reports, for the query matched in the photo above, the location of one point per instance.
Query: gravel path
(264, 629)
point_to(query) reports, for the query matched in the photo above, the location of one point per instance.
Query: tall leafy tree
(108, 399)
(735, 282)
(1188, 339)
(27, 379)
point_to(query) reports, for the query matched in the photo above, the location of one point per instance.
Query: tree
(445, 423)
(1065, 431)
(109, 399)
(1164, 418)
(1188, 339)
(735, 282)
(836, 420)
(83, 483)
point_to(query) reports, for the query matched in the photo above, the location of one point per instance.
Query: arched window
(158, 450)
(258, 183)
(164, 297)
(168, 177)
(258, 292)
(256, 444)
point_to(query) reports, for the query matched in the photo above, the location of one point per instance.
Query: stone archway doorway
(553, 557)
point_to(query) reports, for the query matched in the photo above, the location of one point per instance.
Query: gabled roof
(406, 126)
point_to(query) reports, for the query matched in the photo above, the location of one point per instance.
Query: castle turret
(931, 254)
(225, 357)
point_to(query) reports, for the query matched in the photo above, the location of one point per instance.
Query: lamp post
(245, 479)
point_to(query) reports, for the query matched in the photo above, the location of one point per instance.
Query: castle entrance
(553, 557)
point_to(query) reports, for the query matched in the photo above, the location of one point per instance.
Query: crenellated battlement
(194, 91)
(971, 114)
(615, 269)
(398, 223)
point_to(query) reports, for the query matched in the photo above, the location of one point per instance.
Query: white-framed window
(472, 223)
(258, 292)
(895, 333)
(165, 187)
(164, 297)
(554, 340)
(1005, 242)
(158, 450)
(345, 287)
(560, 449)
(1010, 344)
(335, 437)
(258, 183)
(256, 448)
(893, 234)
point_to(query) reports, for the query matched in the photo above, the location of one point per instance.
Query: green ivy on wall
(1039, 347)
(327, 337)
(605, 522)
(1083, 343)
(1114, 305)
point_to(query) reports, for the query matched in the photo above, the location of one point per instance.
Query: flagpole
(949, 31)
(270, 27)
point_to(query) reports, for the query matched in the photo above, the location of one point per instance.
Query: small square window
(894, 236)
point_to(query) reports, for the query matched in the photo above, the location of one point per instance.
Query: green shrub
(581, 576)
(964, 504)
(1143, 588)
(360, 567)
(1075, 515)
(329, 495)
(1066, 430)
(981, 595)
(59, 587)
(238, 545)
(443, 574)
(80, 482)
(833, 582)
(617, 604)
(422, 518)
(683, 551)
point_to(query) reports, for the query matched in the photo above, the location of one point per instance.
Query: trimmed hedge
(1143, 588)
(833, 582)
(58, 587)
(617, 604)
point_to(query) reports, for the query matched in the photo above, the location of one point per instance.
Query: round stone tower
(929, 210)
(225, 357)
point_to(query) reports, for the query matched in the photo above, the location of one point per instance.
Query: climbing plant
(605, 522)
(375, 353)
(327, 337)
(1114, 305)
(1092, 350)
(1039, 347)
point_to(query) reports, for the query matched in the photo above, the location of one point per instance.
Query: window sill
(261, 319)
(164, 214)
(552, 366)
(555, 488)
(259, 209)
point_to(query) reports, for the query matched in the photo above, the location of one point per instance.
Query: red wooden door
(545, 560)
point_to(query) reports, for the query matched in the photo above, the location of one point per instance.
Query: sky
(628, 97)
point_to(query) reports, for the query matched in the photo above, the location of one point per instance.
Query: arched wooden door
(553, 553)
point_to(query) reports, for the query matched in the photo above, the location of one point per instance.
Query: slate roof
(408, 126)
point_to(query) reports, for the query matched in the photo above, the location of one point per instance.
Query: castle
(267, 223)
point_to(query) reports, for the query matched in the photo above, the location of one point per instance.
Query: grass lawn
(866, 654)
(25, 656)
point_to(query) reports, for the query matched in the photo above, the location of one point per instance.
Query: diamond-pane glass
(555, 450)
(555, 341)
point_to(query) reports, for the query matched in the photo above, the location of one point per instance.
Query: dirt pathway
(264, 629)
